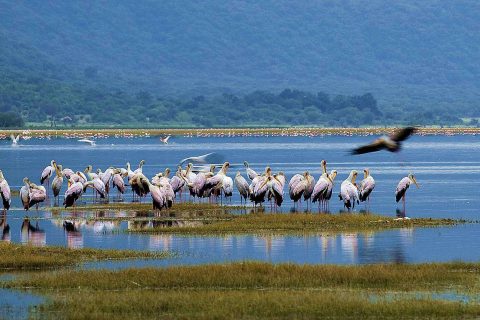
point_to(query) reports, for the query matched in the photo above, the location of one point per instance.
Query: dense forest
(216, 63)
(56, 104)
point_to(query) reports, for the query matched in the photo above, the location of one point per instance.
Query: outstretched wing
(402, 134)
(376, 145)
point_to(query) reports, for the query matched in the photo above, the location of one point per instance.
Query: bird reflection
(5, 227)
(350, 245)
(74, 236)
(32, 234)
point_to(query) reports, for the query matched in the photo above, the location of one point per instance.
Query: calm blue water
(446, 168)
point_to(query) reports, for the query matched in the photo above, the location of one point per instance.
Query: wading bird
(47, 173)
(24, 193)
(348, 191)
(5, 192)
(37, 195)
(57, 182)
(392, 143)
(323, 186)
(366, 186)
(73, 193)
(242, 187)
(251, 174)
(402, 188)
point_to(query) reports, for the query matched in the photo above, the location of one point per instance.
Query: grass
(257, 290)
(25, 257)
(128, 132)
(300, 222)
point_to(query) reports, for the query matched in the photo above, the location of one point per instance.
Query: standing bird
(72, 194)
(24, 194)
(307, 194)
(178, 182)
(402, 188)
(117, 182)
(140, 167)
(242, 187)
(227, 187)
(259, 188)
(37, 194)
(47, 173)
(348, 191)
(5, 192)
(251, 174)
(392, 143)
(275, 185)
(57, 182)
(297, 186)
(98, 185)
(366, 186)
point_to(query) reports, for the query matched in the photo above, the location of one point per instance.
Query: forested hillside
(418, 56)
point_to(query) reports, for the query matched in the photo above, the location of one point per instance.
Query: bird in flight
(91, 142)
(165, 139)
(15, 140)
(392, 143)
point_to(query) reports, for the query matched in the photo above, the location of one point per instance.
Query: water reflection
(5, 227)
(32, 234)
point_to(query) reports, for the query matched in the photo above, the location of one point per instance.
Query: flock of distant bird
(208, 184)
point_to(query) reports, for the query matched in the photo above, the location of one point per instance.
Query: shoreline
(228, 132)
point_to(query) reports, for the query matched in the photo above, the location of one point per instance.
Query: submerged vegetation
(25, 257)
(260, 290)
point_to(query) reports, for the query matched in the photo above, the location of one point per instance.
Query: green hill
(416, 54)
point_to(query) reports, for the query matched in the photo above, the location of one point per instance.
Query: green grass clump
(257, 290)
(301, 222)
(26, 257)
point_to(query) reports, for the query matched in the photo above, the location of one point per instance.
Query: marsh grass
(26, 257)
(257, 290)
(301, 222)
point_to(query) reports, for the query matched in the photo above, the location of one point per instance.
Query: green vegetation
(24, 257)
(300, 222)
(259, 290)
(64, 106)
(154, 64)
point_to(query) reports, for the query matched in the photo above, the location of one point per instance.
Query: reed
(25, 257)
(258, 290)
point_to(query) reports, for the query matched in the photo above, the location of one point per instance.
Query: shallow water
(18, 304)
(446, 168)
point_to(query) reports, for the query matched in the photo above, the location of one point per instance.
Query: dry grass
(257, 290)
(25, 257)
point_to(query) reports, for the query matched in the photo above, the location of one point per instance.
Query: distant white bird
(91, 142)
(15, 140)
(165, 139)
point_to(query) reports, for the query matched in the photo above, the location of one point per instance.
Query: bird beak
(415, 181)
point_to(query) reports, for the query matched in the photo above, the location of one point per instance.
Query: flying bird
(392, 143)
(15, 140)
(165, 139)
(91, 142)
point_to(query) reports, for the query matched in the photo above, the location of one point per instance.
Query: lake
(446, 168)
